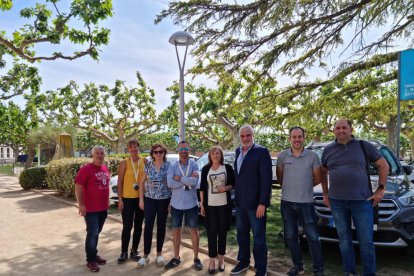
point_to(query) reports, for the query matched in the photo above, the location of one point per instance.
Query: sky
(136, 44)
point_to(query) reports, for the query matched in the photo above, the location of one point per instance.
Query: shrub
(61, 173)
(33, 178)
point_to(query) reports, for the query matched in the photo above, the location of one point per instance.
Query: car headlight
(407, 200)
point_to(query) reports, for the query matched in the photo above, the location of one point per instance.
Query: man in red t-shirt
(92, 193)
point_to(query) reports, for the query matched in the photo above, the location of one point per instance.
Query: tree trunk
(31, 152)
(120, 148)
(392, 135)
(232, 128)
(15, 153)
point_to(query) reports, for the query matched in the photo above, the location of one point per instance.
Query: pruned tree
(49, 22)
(371, 106)
(111, 114)
(18, 80)
(293, 37)
(215, 115)
(52, 24)
(15, 126)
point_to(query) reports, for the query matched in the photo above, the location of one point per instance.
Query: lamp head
(181, 39)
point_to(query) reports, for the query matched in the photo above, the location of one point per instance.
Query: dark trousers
(292, 213)
(216, 230)
(132, 215)
(246, 220)
(155, 208)
(94, 224)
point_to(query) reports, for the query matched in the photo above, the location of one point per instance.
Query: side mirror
(408, 169)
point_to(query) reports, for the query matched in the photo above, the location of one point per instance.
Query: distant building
(6, 154)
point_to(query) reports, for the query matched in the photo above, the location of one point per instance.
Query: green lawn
(394, 262)
(6, 169)
(389, 261)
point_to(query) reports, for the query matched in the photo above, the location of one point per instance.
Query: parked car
(23, 157)
(113, 190)
(274, 176)
(396, 210)
(229, 157)
(411, 175)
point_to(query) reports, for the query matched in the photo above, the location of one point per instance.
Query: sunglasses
(158, 151)
(183, 149)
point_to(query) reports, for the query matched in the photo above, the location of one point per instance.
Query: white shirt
(215, 179)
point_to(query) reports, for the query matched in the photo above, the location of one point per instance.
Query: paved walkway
(43, 235)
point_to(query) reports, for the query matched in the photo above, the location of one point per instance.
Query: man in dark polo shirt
(350, 196)
(298, 170)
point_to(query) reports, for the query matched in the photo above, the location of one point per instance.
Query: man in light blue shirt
(183, 179)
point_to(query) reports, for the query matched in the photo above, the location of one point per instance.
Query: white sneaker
(160, 261)
(143, 262)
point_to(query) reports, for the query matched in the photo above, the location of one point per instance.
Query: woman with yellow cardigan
(130, 172)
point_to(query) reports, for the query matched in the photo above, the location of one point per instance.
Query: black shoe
(197, 264)
(221, 269)
(318, 273)
(239, 268)
(296, 270)
(134, 255)
(123, 257)
(173, 263)
(211, 271)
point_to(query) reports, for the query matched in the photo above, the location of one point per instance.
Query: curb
(183, 243)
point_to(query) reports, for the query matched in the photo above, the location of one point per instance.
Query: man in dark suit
(253, 170)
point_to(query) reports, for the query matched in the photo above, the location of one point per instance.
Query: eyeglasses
(183, 149)
(158, 151)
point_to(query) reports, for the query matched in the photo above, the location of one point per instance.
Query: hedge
(33, 178)
(61, 173)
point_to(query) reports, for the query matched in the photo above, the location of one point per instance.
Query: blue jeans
(94, 224)
(246, 220)
(361, 212)
(190, 216)
(292, 213)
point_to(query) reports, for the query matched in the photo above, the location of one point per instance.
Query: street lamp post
(181, 39)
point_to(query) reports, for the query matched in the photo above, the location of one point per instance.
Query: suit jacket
(204, 187)
(253, 185)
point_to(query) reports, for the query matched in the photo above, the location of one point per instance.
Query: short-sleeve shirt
(156, 186)
(348, 177)
(95, 183)
(297, 183)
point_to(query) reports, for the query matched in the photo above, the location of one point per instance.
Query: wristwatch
(381, 187)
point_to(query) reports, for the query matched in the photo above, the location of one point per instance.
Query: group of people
(150, 189)
(349, 195)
